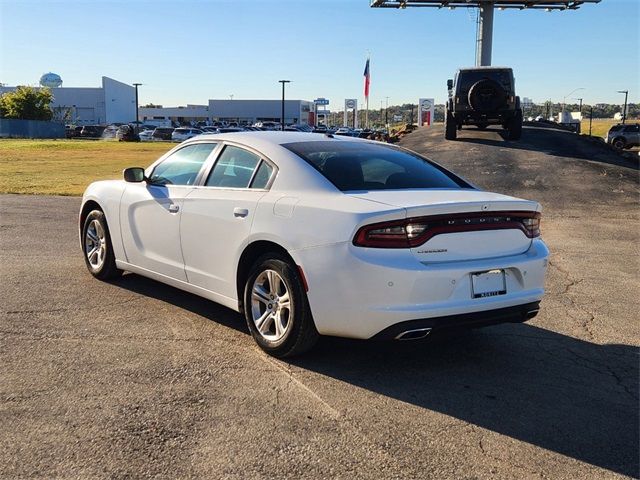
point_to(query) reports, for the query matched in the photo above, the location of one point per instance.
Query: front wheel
(97, 248)
(450, 126)
(515, 126)
(276, 308)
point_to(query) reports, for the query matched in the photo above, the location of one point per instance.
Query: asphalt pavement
(135, 379)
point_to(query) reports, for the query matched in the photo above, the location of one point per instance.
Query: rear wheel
(276, 308)
(97, 247)
(449, 126)
(515, 126)
(619, 144)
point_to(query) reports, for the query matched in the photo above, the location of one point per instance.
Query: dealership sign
(321, 101)
(425, 112)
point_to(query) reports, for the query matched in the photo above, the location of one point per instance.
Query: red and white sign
(425, 112)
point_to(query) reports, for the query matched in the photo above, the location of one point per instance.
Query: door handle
(173, 208)
(240, 212)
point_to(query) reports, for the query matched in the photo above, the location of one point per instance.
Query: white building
(241, 111)
(160, 115)
(113, 102)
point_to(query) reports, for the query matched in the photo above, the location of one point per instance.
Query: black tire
(486, 96)
(619, 143)
(515, 126)
(300, 333)
(450, 127)
(105, 269)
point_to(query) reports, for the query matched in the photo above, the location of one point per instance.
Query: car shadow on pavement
(558, 143)
(559, 393)
(181, 299)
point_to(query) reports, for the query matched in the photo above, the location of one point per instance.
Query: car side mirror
(449, 84)
(133, 174)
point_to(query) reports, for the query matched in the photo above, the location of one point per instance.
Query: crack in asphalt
(572, 282)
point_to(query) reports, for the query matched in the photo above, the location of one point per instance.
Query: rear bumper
(517, 314)
(360, 292)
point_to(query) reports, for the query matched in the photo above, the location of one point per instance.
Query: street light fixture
(137, 117)
(569, 94)
(283, 82)
(624, 111)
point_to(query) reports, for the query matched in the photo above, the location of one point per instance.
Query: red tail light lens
(413, 232)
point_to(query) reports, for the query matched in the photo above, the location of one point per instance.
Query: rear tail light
(413, 232)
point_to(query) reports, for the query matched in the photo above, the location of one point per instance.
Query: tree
(27, 103)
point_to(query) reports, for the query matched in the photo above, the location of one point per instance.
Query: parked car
(183, 133)
(210, 129)
(377, 242)
(230, 129)
(623, 136)
(162, 133)
(127, 133)
(344, 131)
(92, 131)
(146, 135)
(483, 96)
(72, 131)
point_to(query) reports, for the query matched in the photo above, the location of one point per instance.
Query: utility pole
(283, 82)
(386, 114)
(624, 111)
(590, 119)
(137, 117)
(412, 114)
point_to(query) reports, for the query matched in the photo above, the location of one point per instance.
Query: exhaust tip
(532, 313)
(415, 334)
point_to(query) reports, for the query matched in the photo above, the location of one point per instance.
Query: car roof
(487, 67)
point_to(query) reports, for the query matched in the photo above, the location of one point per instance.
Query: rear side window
(233, 169)
(368, 166)
(262, 176)
(182, 166)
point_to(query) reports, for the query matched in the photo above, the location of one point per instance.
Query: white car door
(150, 211)
(217, 217)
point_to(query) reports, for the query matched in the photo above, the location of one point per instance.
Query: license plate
(488, 284)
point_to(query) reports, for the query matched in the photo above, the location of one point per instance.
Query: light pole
(580, 100)
(624, 111)
(569, 94)
(283, 82)
(137, 118)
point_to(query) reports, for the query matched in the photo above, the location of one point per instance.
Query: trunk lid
(458, 209)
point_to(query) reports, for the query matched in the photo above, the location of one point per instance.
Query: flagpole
(366, 98)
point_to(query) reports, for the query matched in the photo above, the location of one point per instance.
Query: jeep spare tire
(487, 96)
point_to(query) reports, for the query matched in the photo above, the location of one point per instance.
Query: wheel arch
(249, 255)
(87, 207)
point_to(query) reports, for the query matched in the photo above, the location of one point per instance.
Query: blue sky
(189, 51)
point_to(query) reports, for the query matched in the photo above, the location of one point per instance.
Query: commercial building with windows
(113, 102)
(240, 111)
(251, 111)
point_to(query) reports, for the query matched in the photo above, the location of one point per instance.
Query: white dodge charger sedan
(310, 234)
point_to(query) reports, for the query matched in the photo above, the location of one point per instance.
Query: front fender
(107, 195)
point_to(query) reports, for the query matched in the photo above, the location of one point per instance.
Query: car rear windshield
(372, 166)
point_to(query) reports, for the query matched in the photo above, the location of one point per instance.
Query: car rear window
(371, 166)
(616, 128)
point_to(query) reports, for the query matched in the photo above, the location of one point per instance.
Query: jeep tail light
(413, 232)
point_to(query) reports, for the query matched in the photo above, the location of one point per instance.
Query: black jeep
(483, 96)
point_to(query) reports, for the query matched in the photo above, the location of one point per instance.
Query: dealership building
(113, 102)
(241, 111)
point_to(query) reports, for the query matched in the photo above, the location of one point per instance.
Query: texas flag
(367, 79)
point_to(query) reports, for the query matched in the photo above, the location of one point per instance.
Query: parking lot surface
(137, 379)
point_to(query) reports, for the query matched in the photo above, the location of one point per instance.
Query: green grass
(66, 167)
(599, 128)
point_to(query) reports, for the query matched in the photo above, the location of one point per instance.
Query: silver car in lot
(623, 136)
(184, 133)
